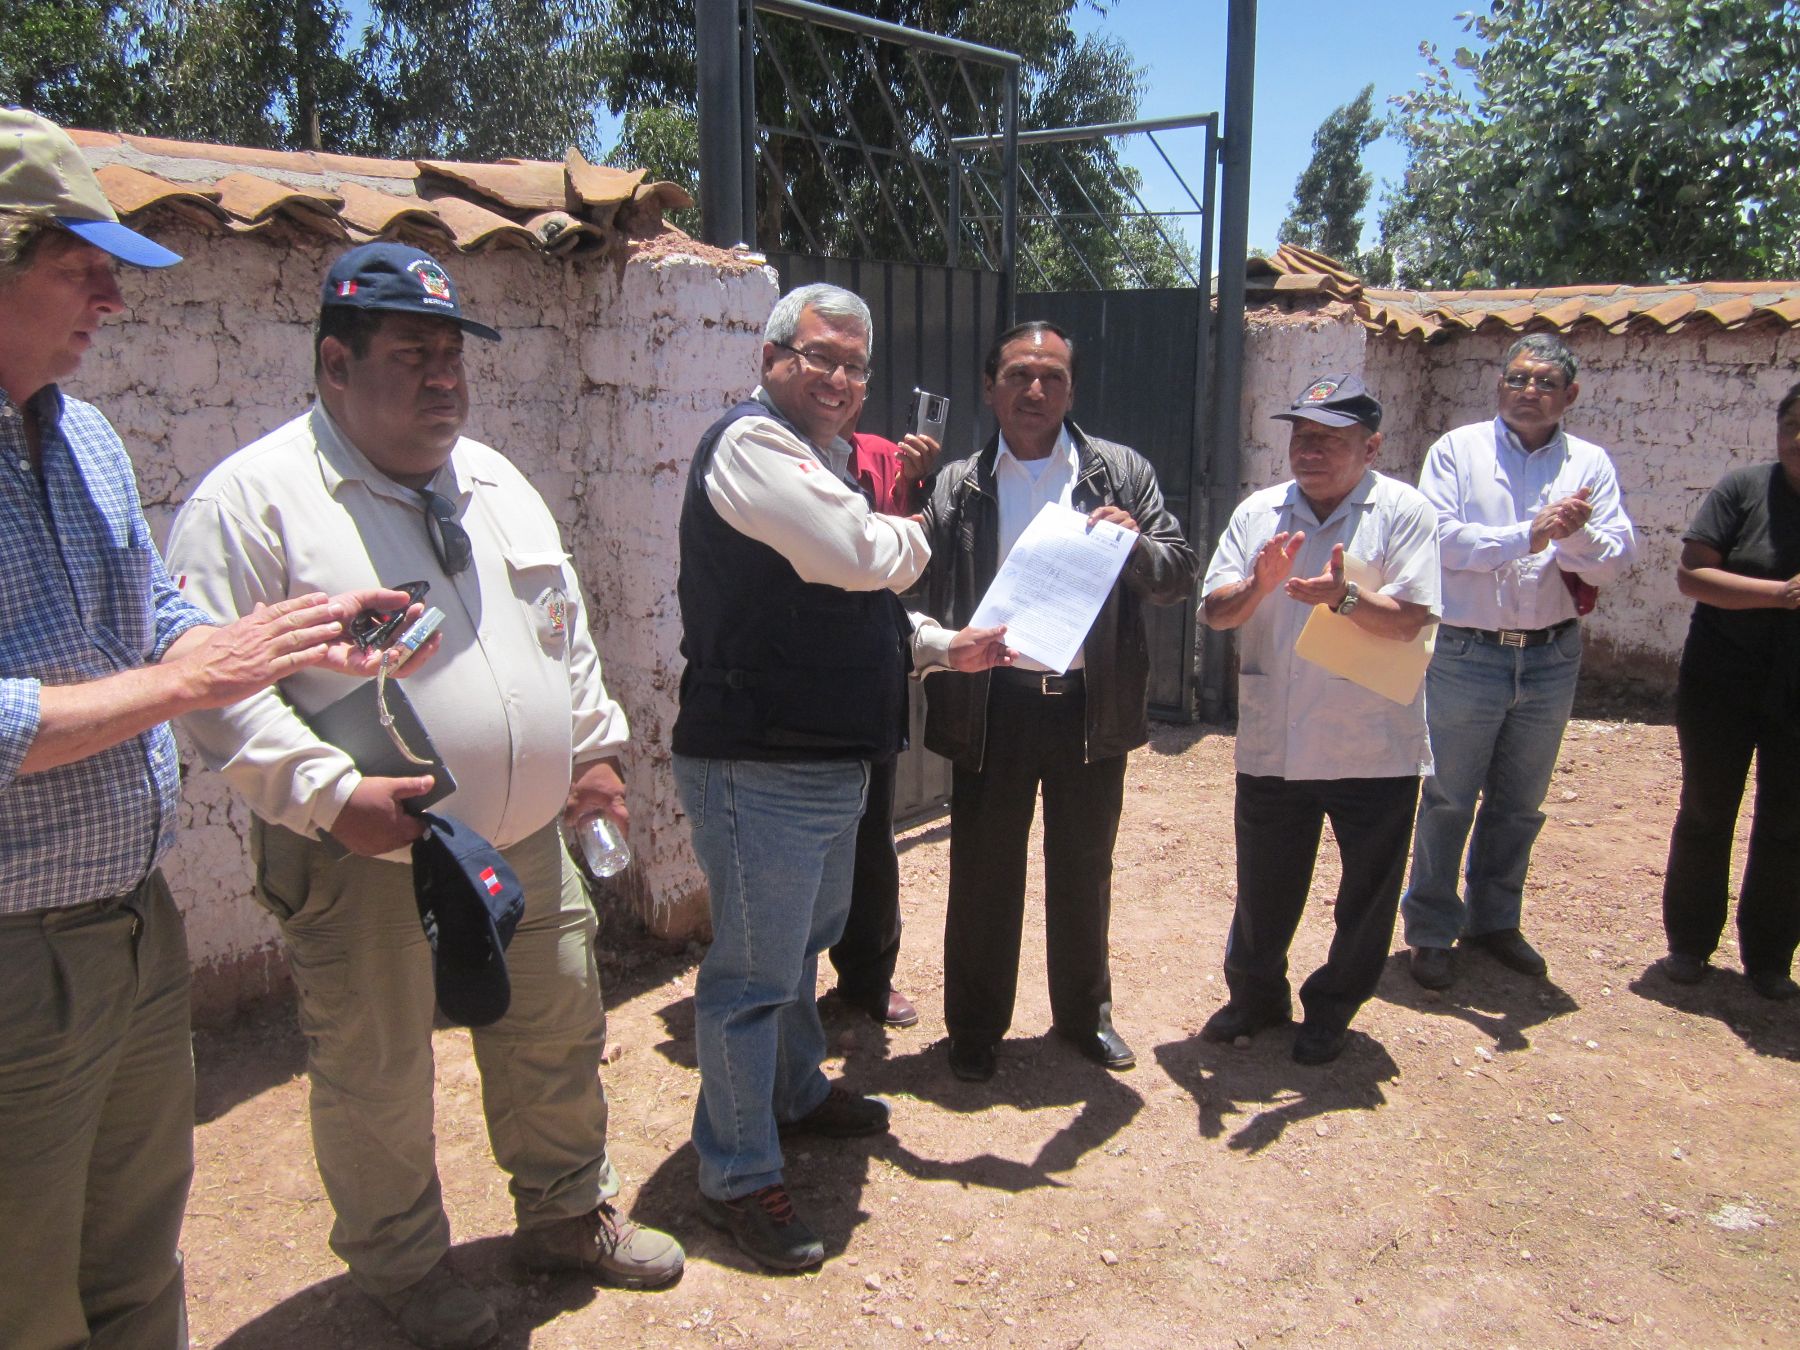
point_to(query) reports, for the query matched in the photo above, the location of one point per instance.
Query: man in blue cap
(376, 481)
(98, 650)
(1312, 747)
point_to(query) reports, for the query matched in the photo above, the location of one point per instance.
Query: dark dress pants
(1279, 823)
(1032, 738)
(865, 956)
(1720, 719)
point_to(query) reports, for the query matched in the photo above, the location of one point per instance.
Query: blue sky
(1311, 57)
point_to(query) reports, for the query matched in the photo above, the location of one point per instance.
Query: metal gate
(827, 133)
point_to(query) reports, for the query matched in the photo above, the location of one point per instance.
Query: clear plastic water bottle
(601, 848)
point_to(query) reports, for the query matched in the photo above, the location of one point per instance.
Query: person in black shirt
(1739, 691)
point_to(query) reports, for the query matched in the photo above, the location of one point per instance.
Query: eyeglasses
(1550, 384)
(449, 540)
(824, 365)
(377, 628)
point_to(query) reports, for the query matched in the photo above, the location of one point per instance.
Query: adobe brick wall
(1675, 410)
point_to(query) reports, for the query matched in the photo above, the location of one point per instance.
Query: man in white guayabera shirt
(1313, 747)
(1530, 521)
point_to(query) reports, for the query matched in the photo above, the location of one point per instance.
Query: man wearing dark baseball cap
(1312, 747)
(98, 650)
(377, 481)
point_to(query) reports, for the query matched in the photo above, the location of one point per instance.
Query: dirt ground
(1598, 1159)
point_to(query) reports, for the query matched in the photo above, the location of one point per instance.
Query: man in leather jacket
(1009, 730)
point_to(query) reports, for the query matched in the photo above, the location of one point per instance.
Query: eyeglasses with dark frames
(449, 540)
(1550, 384)
(376, 628)
(823, 365)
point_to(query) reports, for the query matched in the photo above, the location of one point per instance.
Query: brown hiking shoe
(600, 1244)
(766, 1228)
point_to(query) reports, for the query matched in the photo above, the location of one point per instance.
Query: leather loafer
(892, 1009)
(1774, 984)
(1432, 967)
(1509, 947)
(1683, 969)
(896, 1011)
(972, 1061)
(1104, 1046)
(1315, 1044)
(1235, 1020)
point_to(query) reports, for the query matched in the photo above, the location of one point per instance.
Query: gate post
(719, 39)
(1228, 384)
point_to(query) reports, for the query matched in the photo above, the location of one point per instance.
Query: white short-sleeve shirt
(1295, 720)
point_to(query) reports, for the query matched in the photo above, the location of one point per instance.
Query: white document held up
(1389, 668)
(1052, 584)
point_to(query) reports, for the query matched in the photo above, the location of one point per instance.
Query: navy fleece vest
(779, 668)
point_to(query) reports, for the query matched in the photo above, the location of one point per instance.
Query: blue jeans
(1496, 716)
(777, 842)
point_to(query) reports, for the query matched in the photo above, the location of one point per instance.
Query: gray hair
(21, 233)
(832, 302)
(1543, 347)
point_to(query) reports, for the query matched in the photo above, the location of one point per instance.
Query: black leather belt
(1040, 681)
(1519, 637)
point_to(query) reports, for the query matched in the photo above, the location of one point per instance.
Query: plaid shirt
(83, 594)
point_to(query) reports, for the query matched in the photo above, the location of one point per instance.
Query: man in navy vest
(797, 653)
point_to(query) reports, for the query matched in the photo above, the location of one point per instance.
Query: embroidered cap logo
(431, 278)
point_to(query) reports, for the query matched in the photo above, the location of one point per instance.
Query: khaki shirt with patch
(513, 699)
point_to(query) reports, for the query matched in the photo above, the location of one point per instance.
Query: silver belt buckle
(1513, 637)
(1044, 685)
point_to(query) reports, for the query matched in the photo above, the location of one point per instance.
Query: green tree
(67, 61)
(840, 202)
(1633, 141)
(1329, 195)
(454, 80)
(477, 79)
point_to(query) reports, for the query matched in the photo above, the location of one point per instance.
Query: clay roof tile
(1732, 313)
(520, 186)
(373, 214)
(475, 227)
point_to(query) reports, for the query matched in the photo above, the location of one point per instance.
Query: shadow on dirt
(245, 1060)
(1768, 1028)
(333, 1312)
(1262, 1081)
(826, 1177)
(1501, 1004)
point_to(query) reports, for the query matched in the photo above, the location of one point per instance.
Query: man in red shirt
(893, 477)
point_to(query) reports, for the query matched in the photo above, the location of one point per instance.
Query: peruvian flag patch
(490, 880)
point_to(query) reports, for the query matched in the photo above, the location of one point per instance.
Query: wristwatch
(1352, 597)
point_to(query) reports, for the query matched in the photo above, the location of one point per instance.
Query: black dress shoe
(1683, 969)
(1315, 1044)
(1235, 1019)
(972, 1061)
(1774, 984)
(1432, 967)
(1509, 947)
(1105, 1047)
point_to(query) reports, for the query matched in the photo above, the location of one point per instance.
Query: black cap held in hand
(470, 901)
